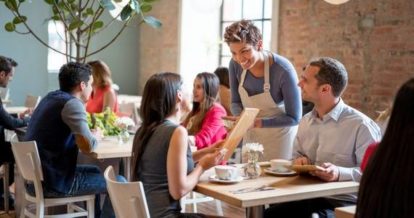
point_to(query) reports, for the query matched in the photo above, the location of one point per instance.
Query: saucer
(277, 173)
(214, 178)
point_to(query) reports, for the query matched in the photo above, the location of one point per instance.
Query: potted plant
(82, 21)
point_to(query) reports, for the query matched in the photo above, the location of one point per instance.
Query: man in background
(7, 70)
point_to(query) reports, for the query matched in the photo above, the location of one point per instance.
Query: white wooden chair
(194, 198)
(29, 165)
(128, 198)
(32, 101)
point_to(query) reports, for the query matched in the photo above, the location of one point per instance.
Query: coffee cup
(279, 165)
(225, 172)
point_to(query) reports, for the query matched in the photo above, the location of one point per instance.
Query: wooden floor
(205, 208)
(209, 208)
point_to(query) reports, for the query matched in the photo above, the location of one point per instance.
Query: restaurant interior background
(374, 39)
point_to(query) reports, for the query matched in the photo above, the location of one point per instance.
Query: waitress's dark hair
(242, 31)
(158, 102)
(386, 188)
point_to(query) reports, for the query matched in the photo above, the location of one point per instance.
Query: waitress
(264, 80)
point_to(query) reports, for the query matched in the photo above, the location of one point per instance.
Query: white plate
(277, 173)
(214, 178)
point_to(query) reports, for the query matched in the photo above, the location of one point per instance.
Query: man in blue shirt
(59, 127)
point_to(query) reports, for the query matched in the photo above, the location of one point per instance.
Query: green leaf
(152, 21)
(11, 5)
(126, 13)
(20, 19)
(135, 6)
(10, 27)
(55, 17)
(75, 24)
(145, 7)
(107, 4)
(97, 24)
(51, 2)
(89, 11)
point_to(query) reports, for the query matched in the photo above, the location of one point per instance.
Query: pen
(301, 153)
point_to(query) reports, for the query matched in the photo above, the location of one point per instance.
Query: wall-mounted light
(336, 2)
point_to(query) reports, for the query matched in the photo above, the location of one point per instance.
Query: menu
(240, 128)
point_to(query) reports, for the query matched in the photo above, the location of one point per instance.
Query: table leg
(255, 212)
(127, 168)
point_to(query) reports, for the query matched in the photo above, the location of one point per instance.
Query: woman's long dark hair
(387, 185)
(211, 85)
(159, 100)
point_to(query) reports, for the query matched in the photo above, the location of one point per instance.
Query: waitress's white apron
(277, 142)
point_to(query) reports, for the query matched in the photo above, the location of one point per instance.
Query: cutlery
(257, 189)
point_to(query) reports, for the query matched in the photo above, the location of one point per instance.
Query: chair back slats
(128, 198)
(31, 166)
(32, 101)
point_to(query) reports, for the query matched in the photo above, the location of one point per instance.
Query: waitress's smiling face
(245, 54)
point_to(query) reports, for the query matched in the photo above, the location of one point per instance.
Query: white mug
(225, 172)
(278, 165)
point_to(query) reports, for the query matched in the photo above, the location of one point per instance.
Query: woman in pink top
(204, 123)
(103, 95)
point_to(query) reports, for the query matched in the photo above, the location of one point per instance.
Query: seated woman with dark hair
(162, 159)
(386, 188)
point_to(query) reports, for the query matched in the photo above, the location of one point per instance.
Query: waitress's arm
(291, 97)
(234, 76)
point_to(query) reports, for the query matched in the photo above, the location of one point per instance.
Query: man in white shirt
(333, 135)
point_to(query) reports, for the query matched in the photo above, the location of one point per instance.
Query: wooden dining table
(15, 109)
(110, 147)
(268, 189)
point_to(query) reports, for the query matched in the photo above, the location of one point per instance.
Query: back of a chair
(32, 101)
(27, 160)
(128, 198)
(129, 109)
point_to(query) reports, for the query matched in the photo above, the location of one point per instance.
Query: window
(258, 11)
(56, 32)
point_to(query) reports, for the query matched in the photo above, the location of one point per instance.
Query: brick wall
(374, 39)
(158, 48)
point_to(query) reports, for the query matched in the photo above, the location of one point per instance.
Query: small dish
(214, 178)
(277, 173)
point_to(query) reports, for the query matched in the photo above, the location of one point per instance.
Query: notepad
(240, 128)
